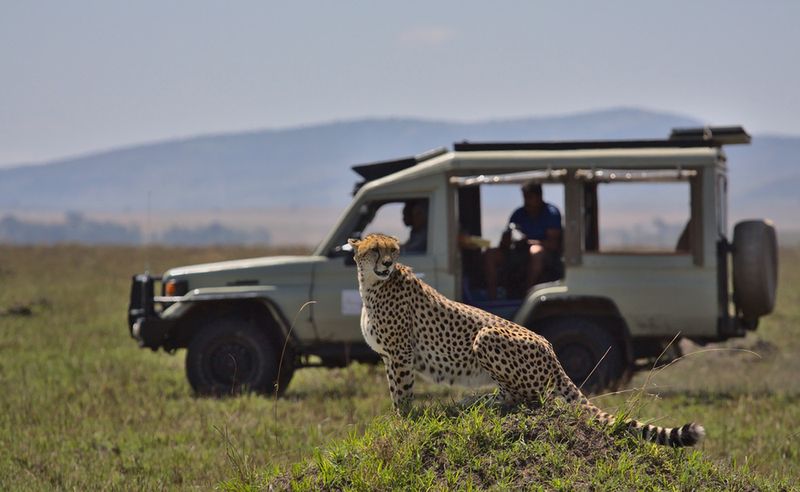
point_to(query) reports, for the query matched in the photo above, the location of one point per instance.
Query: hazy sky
(80, 76)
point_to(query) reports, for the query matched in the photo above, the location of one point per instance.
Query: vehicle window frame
(359, 224)
(691, 178)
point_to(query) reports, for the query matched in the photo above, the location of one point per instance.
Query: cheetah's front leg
(400, 373)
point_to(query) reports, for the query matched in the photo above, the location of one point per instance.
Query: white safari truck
(613, 305)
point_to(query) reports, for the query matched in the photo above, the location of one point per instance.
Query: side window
(645, 217)
(506, 261)
(406, 219)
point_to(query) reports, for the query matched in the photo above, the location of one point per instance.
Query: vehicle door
(651, 257)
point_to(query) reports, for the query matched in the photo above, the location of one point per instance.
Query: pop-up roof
(709, 136)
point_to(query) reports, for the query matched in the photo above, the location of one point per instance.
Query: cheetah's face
(376, 255)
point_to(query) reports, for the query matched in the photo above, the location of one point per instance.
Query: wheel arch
(601, 310)
(263, 312)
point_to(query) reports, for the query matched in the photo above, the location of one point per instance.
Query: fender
(541, 294)
(553, 299)
(181, 305)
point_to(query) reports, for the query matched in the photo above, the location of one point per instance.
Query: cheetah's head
(375, 255)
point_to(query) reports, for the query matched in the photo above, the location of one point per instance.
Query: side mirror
(346, 251)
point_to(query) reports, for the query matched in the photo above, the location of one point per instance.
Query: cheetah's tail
(677, 437)
(687, 435)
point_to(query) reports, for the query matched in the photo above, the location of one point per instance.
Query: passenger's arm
(552, 240)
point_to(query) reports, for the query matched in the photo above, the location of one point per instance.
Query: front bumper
(145, 324)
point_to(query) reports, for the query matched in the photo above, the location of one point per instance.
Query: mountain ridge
(233, 170)
(307, 167)
(604, 114)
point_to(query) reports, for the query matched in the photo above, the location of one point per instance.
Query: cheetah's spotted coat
(415, 329)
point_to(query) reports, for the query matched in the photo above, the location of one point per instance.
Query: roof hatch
(377, 170)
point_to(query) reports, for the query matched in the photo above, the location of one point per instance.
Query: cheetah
(415, 329)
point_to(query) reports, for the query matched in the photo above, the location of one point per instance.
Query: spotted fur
(417, 330)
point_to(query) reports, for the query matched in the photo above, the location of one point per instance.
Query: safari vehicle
(613, 307)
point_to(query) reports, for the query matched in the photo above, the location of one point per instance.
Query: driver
(415, 216)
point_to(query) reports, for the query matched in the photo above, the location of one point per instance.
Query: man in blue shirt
(540, 224)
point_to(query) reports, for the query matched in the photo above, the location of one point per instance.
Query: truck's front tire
(230, 356)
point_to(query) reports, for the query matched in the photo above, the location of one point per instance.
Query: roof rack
(377, 170)
(720, 135)
(709, 136)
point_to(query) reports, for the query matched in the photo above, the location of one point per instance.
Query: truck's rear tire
(230, 356)
(755, 267)
(580, 345)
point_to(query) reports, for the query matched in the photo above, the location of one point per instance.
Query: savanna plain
(82, 407)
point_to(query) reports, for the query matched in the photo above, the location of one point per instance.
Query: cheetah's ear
(354, 243)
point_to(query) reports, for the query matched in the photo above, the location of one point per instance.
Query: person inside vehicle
(539, 224)
(415, 216)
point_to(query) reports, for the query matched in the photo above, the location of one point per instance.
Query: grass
(82, 407)
(451, 447)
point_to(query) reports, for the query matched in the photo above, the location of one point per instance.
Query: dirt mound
(526, 431)
(24, 309)
(483, 448)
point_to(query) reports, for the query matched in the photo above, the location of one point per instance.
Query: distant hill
(306, 166)
(309, 167)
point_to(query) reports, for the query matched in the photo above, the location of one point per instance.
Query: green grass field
(82, 407)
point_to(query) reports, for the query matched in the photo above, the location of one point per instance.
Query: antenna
(147, 236)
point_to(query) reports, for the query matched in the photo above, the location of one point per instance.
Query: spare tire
(755, 267)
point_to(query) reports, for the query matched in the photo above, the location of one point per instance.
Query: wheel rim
(232, 363)
(577, 360)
